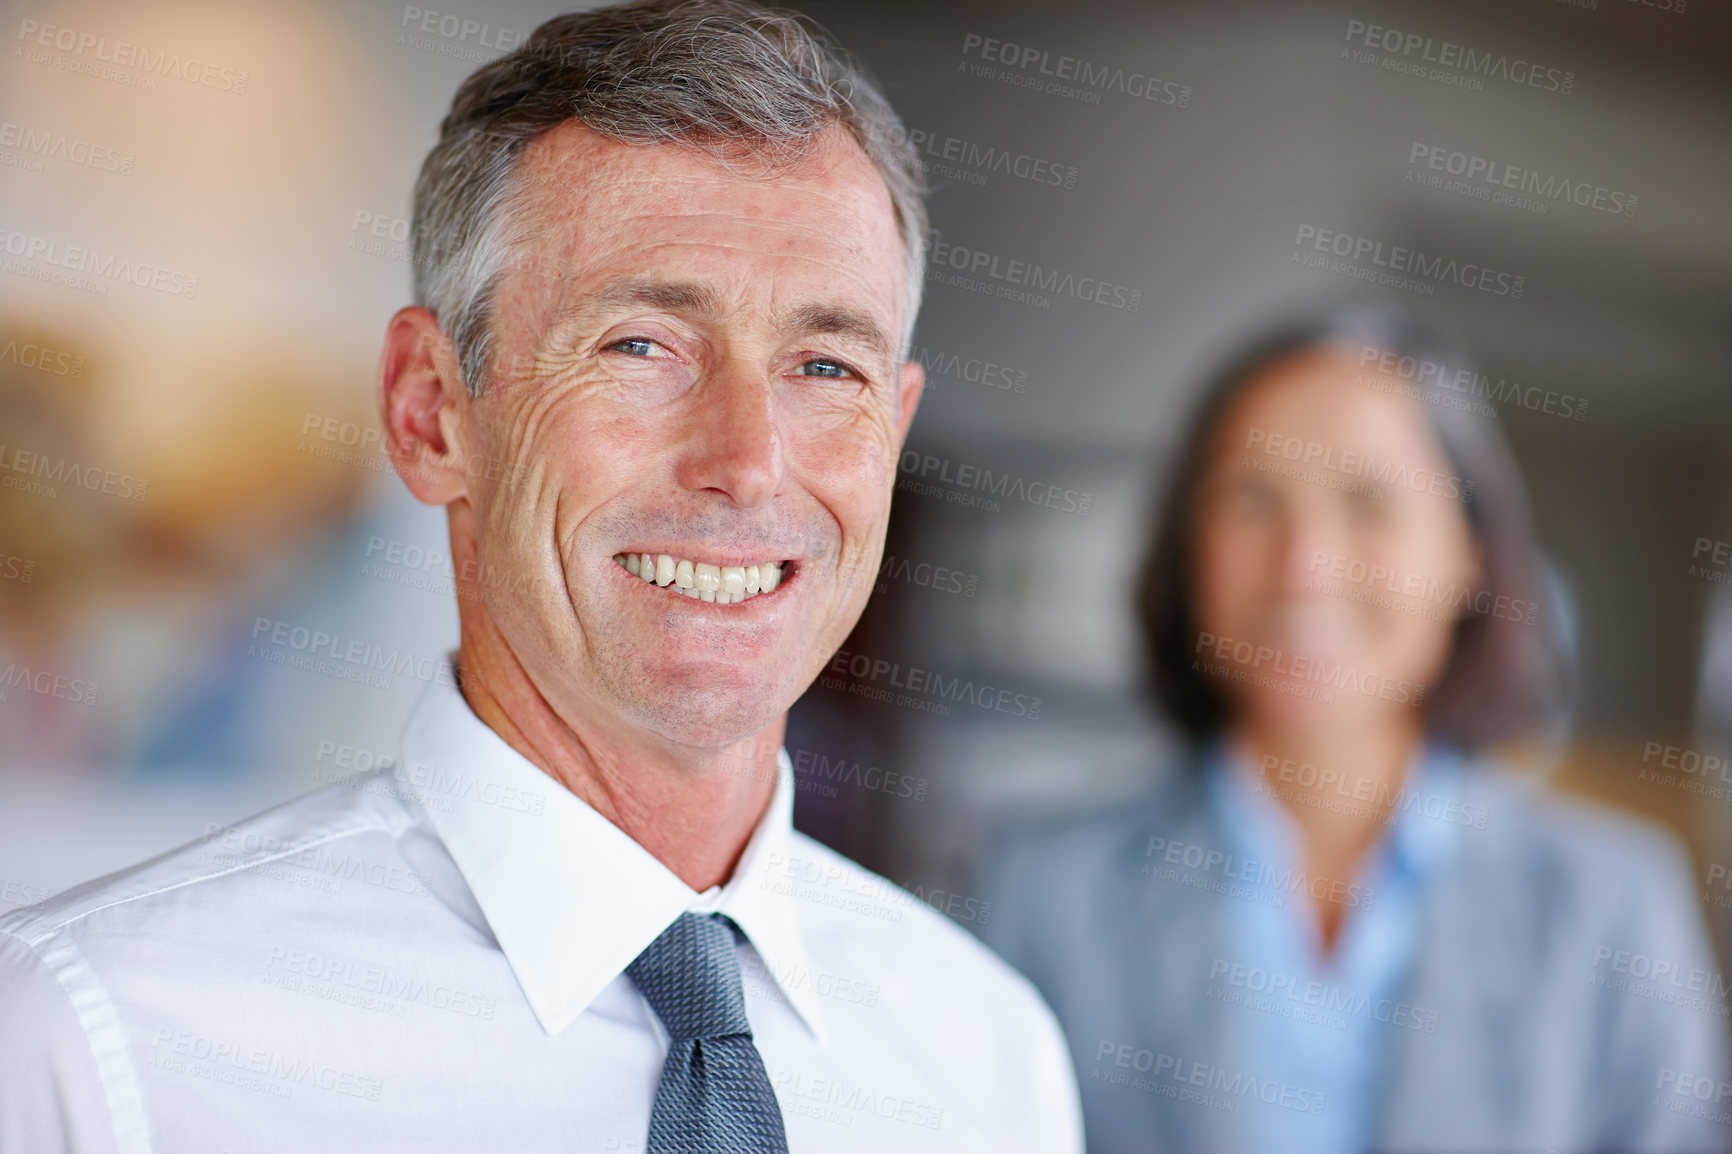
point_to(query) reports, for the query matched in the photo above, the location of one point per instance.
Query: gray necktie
(715, 1096)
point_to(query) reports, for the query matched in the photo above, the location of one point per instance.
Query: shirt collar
(570, 897)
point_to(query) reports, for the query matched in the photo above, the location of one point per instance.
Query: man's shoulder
(951, 1008)
(175, 948)
(908, 941)
(857, 905)
(307, 843)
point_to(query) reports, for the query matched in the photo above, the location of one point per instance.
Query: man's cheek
(879, 467)
(852, 455)
(521, 559)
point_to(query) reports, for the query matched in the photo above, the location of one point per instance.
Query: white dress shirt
(431, 958)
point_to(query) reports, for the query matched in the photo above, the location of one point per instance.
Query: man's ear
(423, 405)
(909, 384)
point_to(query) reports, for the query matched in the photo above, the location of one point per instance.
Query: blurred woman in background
(1341, 926)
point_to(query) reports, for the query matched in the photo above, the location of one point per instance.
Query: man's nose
(734, 445)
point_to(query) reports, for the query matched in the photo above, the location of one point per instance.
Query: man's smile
(703, 581)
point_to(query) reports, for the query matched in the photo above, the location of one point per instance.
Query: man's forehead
(638, 223)
(572, 165)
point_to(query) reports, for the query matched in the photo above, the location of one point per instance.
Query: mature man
(667, 264)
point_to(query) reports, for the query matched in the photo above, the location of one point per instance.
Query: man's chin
(713, 725)
(708, 713)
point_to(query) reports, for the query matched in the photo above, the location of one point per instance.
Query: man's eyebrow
(627, 293)
(839, 320)
(665, 295)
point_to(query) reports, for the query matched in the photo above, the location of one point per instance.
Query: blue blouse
(1299, 1019)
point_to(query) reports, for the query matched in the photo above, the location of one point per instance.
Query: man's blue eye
(824, 369)
(636, 346)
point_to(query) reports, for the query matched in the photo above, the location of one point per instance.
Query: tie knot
(690, 976)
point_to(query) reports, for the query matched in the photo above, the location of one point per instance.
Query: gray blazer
(1531, 944)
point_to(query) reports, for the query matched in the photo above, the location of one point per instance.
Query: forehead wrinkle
(561, 172)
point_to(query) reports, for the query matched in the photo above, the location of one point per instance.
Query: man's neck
(694, 810)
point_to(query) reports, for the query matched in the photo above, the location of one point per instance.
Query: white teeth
(701, 581)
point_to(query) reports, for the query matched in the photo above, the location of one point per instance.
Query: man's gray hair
(712, 74)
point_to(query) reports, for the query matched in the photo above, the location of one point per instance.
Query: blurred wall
(1260, 127)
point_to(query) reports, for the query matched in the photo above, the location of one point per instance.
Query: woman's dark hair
(1505, 676)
